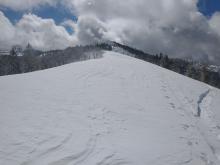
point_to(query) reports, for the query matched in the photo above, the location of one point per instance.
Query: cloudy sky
(180, 28)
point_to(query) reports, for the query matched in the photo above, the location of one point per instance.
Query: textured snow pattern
(116, 110)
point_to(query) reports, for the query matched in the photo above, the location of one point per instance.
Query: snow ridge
(116, 110)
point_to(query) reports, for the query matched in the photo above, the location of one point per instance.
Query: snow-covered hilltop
(115, 110)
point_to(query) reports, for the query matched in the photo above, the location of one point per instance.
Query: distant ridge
(33, 60)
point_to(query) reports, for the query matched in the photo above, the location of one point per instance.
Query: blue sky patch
(12, 15)
(209, 7)
(58, 13)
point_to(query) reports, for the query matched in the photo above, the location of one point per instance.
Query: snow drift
(111, 111)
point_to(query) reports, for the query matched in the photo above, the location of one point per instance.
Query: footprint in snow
(168, 97)
(173, 105)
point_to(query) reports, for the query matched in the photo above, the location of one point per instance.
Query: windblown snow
(116, 110)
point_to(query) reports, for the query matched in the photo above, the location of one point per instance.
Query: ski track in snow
(199, 102)
(109, 118)
(47, 151)
(202, 107)
(80, 157)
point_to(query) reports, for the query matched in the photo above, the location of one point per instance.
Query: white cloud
(41, 33)
(25, 4)
(89, 29)
(215, 22)
(169, 26)
(7, 31)
(174, 27)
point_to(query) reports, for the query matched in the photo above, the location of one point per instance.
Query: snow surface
(116, 110)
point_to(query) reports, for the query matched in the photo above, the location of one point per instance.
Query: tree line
(33, 60)
(195, 70)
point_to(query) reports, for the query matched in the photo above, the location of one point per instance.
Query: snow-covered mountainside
(116, 110)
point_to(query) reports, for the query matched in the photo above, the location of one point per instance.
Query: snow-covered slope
(111, 111)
